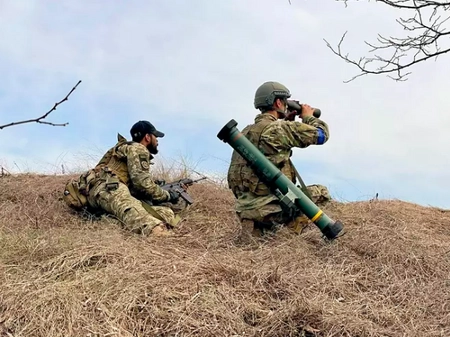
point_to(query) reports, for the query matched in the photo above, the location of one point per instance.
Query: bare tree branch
(417, 4)
(424, 34)
(40, 119)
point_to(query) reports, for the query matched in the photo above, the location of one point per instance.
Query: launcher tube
(276, 180)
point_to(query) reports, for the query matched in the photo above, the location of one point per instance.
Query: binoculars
(295, 105)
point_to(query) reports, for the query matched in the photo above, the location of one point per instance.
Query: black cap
(141, 128)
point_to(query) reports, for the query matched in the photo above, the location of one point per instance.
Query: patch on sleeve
(320, 136)
(144, 162)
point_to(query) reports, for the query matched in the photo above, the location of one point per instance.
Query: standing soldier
(274, 133)
(125, 167)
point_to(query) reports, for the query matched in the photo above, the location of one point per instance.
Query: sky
(190, 67)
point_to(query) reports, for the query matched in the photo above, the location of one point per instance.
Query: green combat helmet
(267, 92)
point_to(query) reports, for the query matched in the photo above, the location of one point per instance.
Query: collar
(265, 116)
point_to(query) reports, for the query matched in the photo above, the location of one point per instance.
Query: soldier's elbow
(322, 136)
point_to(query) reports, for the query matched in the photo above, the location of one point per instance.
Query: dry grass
(63, 275)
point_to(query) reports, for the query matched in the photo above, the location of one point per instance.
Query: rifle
(177, 186)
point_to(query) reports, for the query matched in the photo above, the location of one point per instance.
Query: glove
(160, 182)
(173, 197)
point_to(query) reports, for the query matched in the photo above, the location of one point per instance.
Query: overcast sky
(191, 66)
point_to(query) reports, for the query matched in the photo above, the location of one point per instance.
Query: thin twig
(40, 119)
(420, 46)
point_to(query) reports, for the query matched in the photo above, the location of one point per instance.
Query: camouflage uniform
(126, 166)
(255, 204)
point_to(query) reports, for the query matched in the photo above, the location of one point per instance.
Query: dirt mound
(64, 274)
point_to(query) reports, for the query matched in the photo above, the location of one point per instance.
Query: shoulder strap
(304, 188)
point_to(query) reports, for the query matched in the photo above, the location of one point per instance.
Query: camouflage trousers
(177, 208)
(127, 209)
(269, 217)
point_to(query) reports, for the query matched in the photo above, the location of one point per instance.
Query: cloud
(191, 67)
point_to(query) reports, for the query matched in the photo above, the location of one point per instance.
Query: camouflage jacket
(276, 140)
(130, 162)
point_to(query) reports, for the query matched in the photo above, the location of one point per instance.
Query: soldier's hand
(291, 115)
(160, 182)
(173, 197)
(306, 111)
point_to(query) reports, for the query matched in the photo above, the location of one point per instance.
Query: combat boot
(248, 232)
(158, 230)
(161, 230)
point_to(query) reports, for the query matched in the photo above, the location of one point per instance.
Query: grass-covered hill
(66, 274)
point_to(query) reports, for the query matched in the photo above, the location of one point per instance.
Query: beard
(152, 149)
(281, 115)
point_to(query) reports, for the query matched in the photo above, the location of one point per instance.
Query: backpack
(72, 195)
